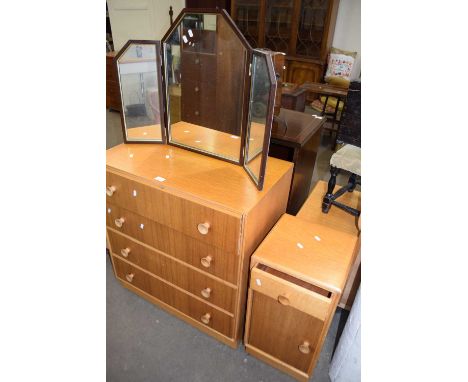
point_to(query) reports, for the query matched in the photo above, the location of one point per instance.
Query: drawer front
(128, 223)
(176, 273)
(128, 194)
(181, 301)
(203, 256)
(200, 222)
(287, 293)
(283, 332)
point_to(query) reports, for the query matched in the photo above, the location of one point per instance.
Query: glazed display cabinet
(303, 29)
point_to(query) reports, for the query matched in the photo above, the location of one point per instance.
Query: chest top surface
(185, 172)
(311, 252)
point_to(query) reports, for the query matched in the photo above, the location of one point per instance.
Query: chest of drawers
(181, 228)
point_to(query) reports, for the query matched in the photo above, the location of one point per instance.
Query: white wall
(140, 19)
(348, 31)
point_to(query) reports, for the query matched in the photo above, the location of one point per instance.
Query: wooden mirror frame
(268, 122)
(159, 77)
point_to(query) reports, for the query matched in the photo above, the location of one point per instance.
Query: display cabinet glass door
(278, 24)
(311, 28)
(246, 14)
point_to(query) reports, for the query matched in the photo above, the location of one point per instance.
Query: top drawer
(290, 291)
(196, 220)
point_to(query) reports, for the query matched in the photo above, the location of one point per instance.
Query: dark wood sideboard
(112, 84)
(298, 143)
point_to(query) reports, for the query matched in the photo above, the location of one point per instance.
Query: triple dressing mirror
(203, 89)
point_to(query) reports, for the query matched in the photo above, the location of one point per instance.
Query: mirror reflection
(140, 92)
(258, 115)
(205, 65)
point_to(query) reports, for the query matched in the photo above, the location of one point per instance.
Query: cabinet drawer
(176, 273)
(208, 258)
(283, 332)
(289, 291)
(203, 223)
(128, 223)
(181, 301)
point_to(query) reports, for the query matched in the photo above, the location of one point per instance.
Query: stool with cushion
(348, 159)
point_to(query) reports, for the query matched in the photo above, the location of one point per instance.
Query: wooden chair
(348, 159)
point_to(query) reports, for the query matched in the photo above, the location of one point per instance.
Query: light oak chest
(181, 228)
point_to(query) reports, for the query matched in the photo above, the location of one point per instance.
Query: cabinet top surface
(191, 173)
(300, 126)
(335, 218)
(311, 252)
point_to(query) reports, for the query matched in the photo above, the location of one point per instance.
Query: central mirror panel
(205, 71)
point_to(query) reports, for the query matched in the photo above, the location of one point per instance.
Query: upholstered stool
(348, 158)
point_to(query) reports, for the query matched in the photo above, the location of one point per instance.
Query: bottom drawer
(283, 332)
(181, 301)
(173, 272)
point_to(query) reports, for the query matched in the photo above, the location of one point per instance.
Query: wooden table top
(336, 218)
(325, 89)
(195, 175)
(308, 251)
(301, 127)
(292, 89)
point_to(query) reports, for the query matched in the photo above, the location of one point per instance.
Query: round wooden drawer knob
(203, 228)
(206, 292)
(206, 318)
(110, 190)
(125, 252)
(304, 347)
(206, 261)
(119, 222)
(283, 300)
(129, 277)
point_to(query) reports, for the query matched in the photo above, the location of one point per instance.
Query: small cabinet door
(283, 331)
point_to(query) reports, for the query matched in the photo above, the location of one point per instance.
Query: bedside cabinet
(182, 227)
(297, 276)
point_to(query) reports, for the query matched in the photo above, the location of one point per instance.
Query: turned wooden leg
(352, 183)
(327, 199)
